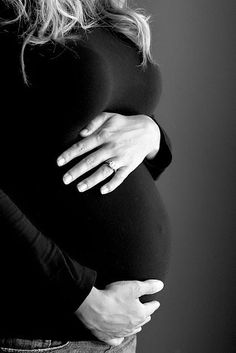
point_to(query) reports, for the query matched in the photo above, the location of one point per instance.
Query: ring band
(111, 164)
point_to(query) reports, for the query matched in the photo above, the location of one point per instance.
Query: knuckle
(121, 176)
(105, 170)
(132, 324)
(122, 173)
(105, 116)
(77, 147)
(112, 146)
(136, 288)
(89, 161)
(116, 118)
(126, 331)
(103, 135)
(141, 317)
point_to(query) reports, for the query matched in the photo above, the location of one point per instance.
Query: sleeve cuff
(82, 288)
(163, 158)
(74, 283)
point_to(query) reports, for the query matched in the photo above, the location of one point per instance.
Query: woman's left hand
(120, 141)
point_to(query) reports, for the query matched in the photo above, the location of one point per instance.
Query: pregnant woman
(79, 206)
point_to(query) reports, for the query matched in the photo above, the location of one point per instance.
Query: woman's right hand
(116, 312)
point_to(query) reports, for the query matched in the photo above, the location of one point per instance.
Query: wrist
(93, 301)
(155, 138)
(152, 154)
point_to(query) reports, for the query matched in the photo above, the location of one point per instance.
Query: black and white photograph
(117, 183)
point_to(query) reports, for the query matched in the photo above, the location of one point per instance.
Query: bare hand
(116, 312)
(122, 140)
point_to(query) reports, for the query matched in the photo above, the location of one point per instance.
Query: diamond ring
(111, 164)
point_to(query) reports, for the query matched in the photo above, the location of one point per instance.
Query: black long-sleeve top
(34, 268)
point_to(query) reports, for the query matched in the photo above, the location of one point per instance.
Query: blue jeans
(19, 345)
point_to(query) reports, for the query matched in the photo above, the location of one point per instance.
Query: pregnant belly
(124, 235)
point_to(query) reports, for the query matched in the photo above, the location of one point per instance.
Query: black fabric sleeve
(72, 281)
(163, 158)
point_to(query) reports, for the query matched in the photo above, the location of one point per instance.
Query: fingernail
(155, 281)
(104, 190)
(161, 285)
(60, 161)
(82, 187)
(67, 178)
(84, 131)
(158, 282)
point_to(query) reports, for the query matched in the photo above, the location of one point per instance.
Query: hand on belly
(116, 312)
(121, 143)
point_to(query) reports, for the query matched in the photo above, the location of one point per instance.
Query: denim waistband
(23, 343)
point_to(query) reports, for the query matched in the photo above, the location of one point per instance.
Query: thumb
(95, 123)
(147, 287)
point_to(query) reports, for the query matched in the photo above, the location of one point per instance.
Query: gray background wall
(193, 42)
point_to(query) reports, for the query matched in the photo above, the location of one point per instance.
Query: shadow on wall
(193, 43)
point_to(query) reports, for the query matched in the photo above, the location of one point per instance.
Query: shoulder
(60, 62)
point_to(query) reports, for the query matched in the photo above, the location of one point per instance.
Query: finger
(78, 149)
(101, 174)
(108, 338)
(114, 341)
(149, 286)
(118, 179)
(151, 307)
(88, 163)
(145, 321)
(134, 332)
(148, 319)
(95, 123)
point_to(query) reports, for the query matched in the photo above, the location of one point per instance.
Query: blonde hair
(48, 20)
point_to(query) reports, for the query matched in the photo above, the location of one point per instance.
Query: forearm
(57, 269)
